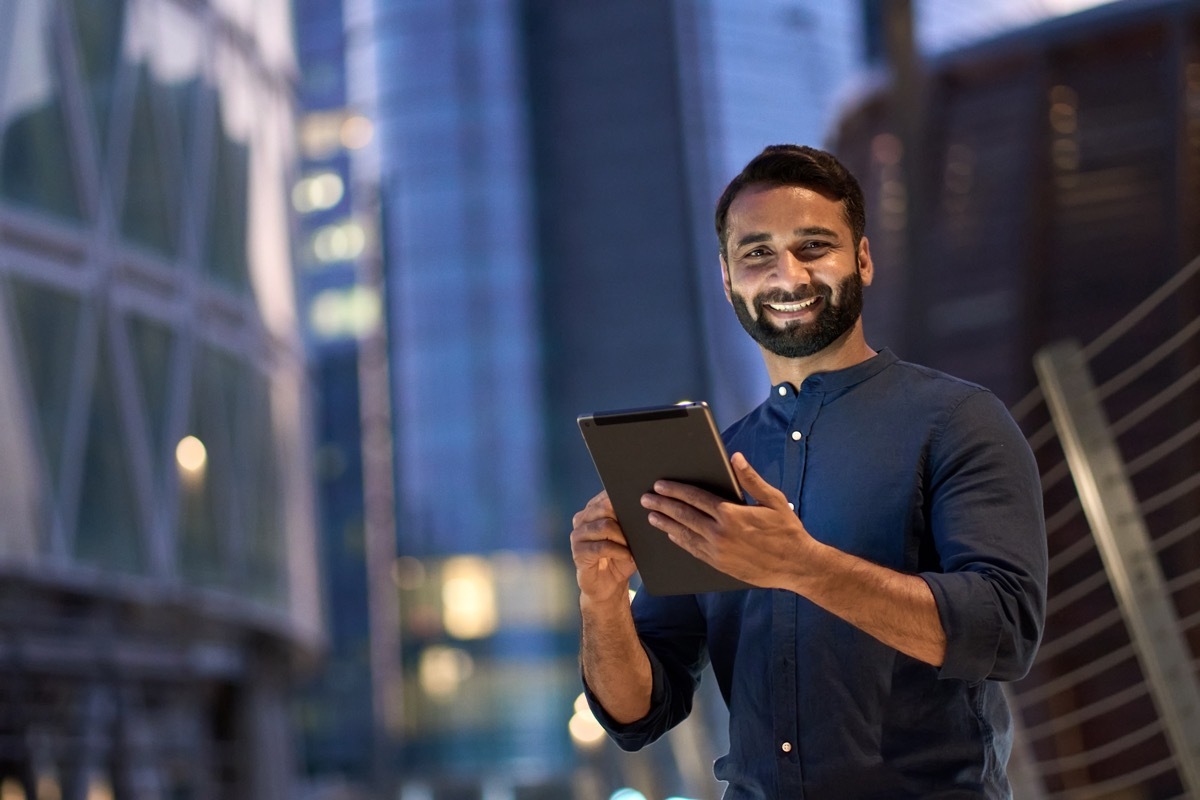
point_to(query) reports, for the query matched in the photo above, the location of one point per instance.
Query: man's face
(792, 272)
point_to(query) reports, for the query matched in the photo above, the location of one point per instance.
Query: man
(894, 526)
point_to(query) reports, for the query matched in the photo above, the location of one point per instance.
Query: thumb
(754, 485)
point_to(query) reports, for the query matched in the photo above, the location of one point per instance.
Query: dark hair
(797, 165)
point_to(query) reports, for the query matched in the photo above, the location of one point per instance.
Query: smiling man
(895, 533)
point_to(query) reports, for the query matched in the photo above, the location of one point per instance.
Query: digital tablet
(634, 448)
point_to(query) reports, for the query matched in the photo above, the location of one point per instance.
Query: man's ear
(866, 267)
(725, 279)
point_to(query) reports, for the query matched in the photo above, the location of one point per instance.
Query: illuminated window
(318, 192)
(352, 312)
(468, 597)
(341, 242)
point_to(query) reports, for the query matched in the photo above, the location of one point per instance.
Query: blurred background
(299, 302)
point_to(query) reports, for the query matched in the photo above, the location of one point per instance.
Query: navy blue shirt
(911, 469)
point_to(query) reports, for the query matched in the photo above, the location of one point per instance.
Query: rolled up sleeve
(672, 634)
(988, 527)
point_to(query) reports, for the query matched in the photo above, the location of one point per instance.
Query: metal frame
(1125, 548)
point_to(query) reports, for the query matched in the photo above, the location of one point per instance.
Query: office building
(157, 562)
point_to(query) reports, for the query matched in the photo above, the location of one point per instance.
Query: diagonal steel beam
(1124, 544)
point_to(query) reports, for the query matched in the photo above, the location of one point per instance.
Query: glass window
(206, 478)
(167, 42)
(108, 533)
(98, 28)
(260, 492)
(153, 345)
(47, 320)
(150, 211)
(225, 255)
(35, 160)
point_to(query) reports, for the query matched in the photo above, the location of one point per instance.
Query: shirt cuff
(634, 735)
(970, 619)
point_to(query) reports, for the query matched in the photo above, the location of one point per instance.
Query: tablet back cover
(631, 450)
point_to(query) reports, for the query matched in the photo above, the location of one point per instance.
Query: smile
(792, 308)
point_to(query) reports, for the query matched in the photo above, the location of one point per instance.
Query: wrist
(607, 605)
(814, 566)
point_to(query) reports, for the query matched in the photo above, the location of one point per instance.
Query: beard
(800, 339)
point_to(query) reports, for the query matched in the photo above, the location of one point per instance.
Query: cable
(1141, 310)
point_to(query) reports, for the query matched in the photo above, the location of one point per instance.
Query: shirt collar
(837, 379)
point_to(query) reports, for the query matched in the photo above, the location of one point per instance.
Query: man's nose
(793, 270)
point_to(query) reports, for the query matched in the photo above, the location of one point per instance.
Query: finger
(599, 507)
(605, 529)
(754, 485)
(685, 537)
(691, 495)
(686, 515)
(597, 550)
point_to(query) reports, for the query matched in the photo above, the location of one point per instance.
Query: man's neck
(849, 349)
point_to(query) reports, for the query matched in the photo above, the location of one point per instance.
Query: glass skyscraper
(157, 570)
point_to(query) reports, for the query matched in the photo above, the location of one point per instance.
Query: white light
(191, 455)
(443, 669)
(318, 192)
(468, 597)
(355, 311)
(341, 242)
(585, 730)
(627, 794)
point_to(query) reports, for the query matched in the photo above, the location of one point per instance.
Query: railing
(1113, 702)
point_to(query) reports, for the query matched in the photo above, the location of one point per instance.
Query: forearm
(614, 664)
(897, 609)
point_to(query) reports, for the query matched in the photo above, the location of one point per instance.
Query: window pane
(107, 533)
(98, 27)
(264, 555)
(152, 344)
(150, 211)
(47, 320)
(206, 515)
(35, 163)
(225, 256)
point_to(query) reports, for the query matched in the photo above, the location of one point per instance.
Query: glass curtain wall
(154, 463)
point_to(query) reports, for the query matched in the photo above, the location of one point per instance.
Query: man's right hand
(615, 665)
(603, 563)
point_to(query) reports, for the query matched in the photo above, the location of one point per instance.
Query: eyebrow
(815, 230)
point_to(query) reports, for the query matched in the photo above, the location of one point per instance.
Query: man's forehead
(806, 207)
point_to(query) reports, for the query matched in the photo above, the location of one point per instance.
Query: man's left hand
(763, 545)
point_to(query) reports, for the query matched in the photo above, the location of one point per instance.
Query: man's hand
(603, 563)
(614, 664)
(762, 545)
(767, 545)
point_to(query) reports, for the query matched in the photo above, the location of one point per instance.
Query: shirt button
(796, 436)
(782, 391)
(792, 506)
(786, 747)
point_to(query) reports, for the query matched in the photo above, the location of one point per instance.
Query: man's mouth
(793, 307)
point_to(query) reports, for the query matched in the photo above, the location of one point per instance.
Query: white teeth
(789, 308)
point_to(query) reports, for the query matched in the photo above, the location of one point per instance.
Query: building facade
(1062, 187)
(157, 552)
